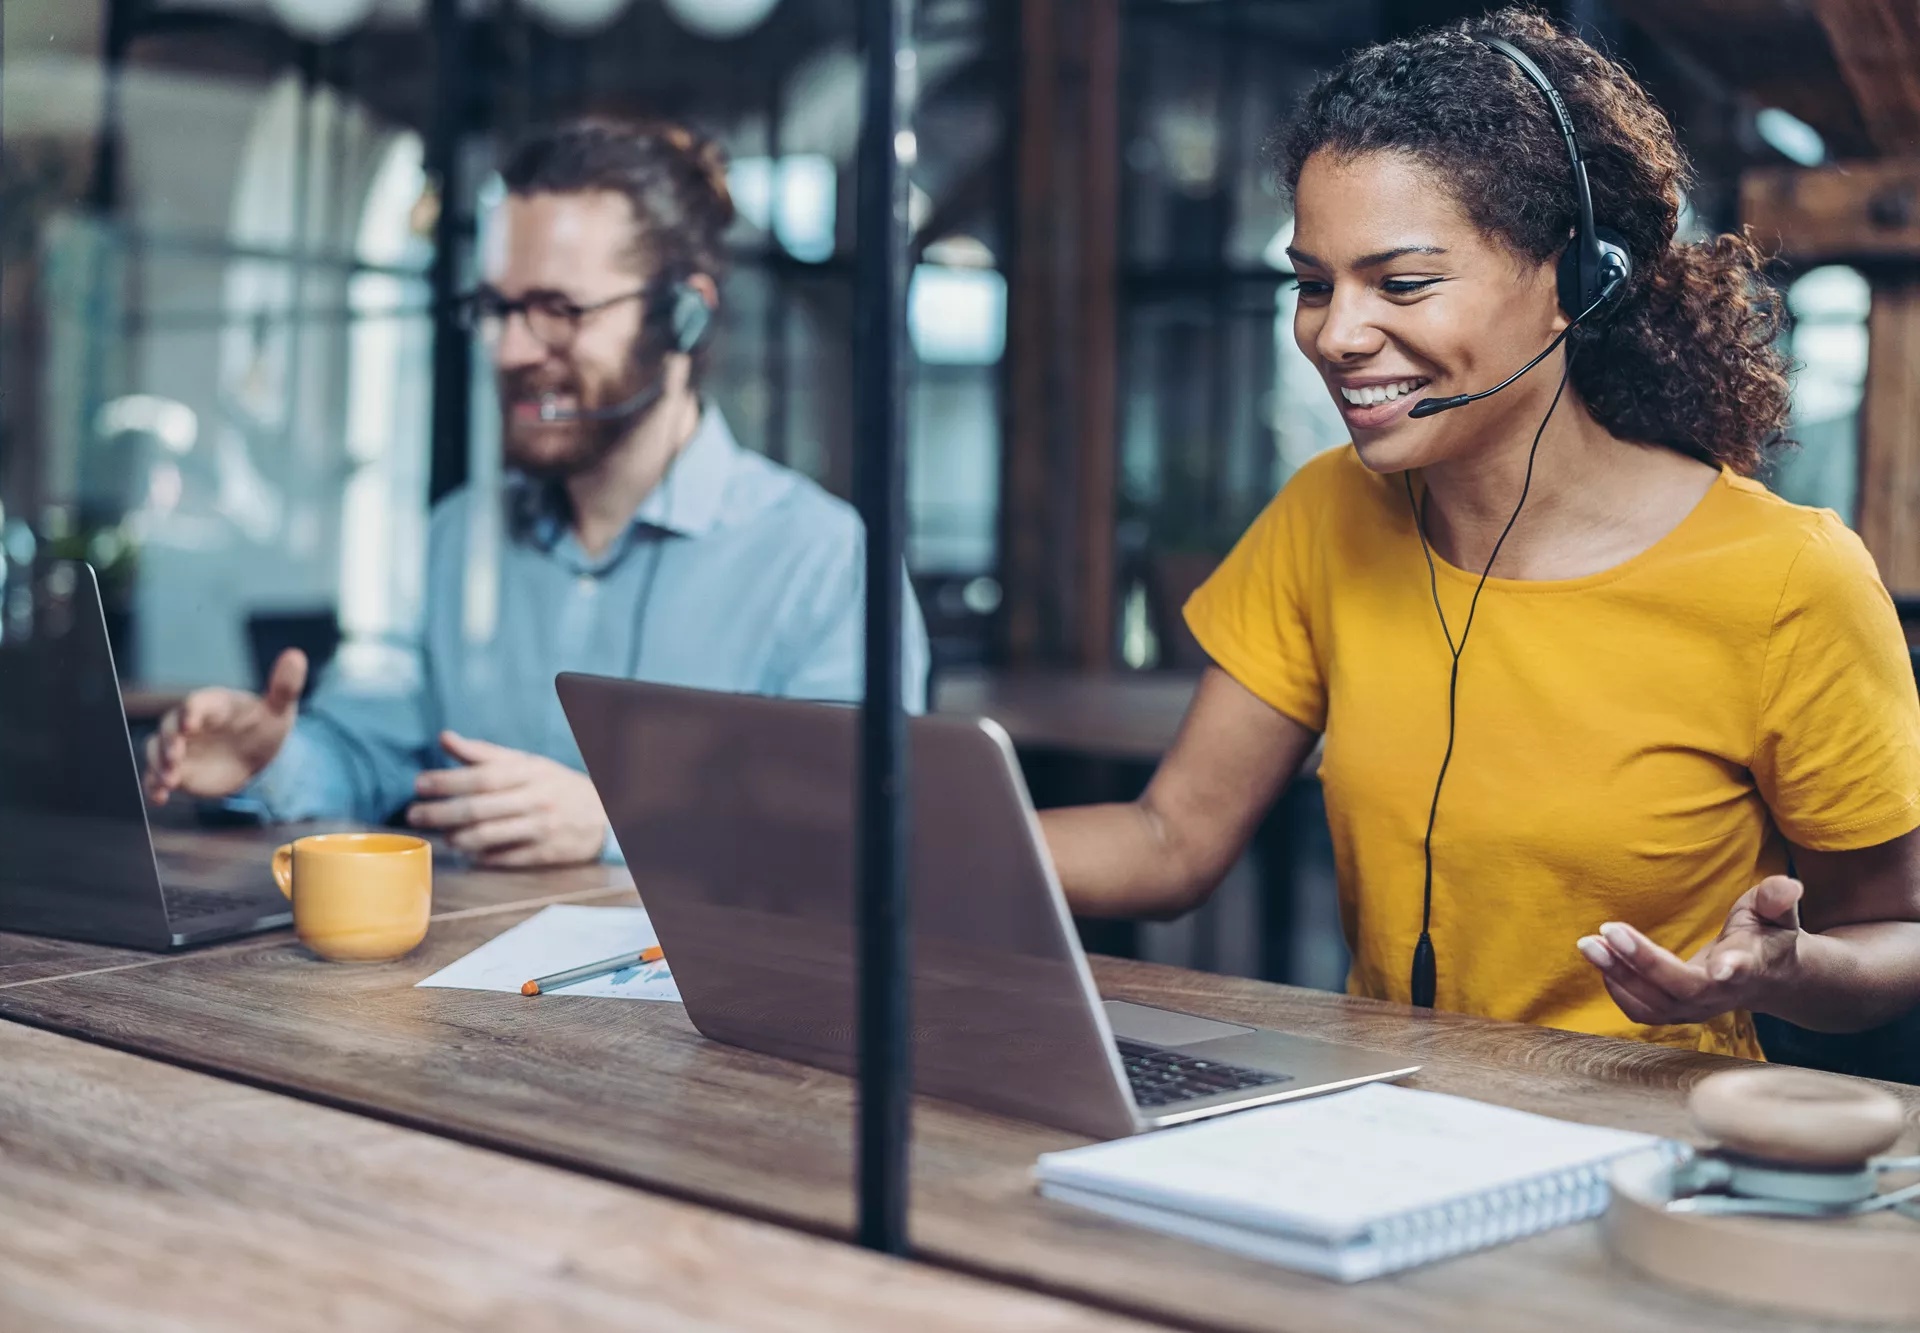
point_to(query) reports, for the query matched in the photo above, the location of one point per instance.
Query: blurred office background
(226, 227)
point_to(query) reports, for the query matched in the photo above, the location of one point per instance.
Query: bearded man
(634, 537)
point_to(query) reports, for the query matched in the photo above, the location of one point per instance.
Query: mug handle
(283, 869)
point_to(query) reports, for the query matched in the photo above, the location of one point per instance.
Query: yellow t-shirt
(1632, 745)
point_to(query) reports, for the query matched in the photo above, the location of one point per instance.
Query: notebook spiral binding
(1499, 1216)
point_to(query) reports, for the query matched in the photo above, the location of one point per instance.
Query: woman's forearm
(1850, 977)
(1117, 860)
(1164, 853)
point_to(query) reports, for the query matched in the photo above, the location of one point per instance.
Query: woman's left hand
(1754, 952)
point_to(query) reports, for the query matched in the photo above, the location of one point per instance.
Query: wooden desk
(1110, 715)
(457, 892)
(628, 1091)
(147, 704)
(1132, 716)
(139, 1195)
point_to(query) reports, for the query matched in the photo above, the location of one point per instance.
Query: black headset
(676, 318)
(1594, 269)
(1595, 264)
(686, 314)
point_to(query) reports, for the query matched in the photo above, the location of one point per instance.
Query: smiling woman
(1681, 690)
(1689, 356)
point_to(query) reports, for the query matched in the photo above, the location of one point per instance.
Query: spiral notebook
(1351, 1185)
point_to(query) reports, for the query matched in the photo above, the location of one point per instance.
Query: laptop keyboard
(1161, 1077)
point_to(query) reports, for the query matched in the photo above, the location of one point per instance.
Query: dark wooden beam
(1097, 442)
(1059, 472)
(1889, 518)
(1850, 211)
(1775, 51)
(1866, 213)
(1028, 607)
(1877, 44)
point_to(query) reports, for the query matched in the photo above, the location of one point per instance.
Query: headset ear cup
(691, 318)
(1567, 278)
(1614, 258)
(1585, 266)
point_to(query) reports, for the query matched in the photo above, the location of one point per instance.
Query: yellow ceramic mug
(357, 897)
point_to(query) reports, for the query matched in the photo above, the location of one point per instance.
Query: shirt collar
(689, 501)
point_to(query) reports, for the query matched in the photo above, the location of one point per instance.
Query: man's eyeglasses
(552, 319)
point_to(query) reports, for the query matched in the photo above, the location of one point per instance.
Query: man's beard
(554, 451)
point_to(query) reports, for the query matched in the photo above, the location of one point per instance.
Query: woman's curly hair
(1689, 357)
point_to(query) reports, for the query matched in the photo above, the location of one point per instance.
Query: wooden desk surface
(628, 1091)
(140, 1196)
(1132, 716)
(1107, 715)
(457, 891)
(150, 703)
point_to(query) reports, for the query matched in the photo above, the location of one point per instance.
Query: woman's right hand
(218, 739)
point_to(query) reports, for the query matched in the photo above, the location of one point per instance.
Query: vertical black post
(879, 438)
(773, 361)
(11, 483)
(452, 353)
(307, 58)
(107, 347)
(103, 192)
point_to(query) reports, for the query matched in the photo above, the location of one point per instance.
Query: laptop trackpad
(1164, 1027)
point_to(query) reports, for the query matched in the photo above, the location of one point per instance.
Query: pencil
(651, 954)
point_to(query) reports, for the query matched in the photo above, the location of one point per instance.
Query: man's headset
(1594, 269)
(676, 318)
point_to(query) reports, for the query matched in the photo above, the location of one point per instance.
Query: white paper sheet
(561, 937)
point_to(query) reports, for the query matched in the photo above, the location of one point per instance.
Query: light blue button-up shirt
(735, 574)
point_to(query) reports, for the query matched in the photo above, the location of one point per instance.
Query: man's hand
(1755, 953)
(218, 739)
(508, 808)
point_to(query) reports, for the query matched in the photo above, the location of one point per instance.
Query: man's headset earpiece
(687, 315)
(678, 319)
(1595, 268)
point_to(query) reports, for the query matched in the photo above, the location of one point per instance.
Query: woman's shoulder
(1336, 480)
(1328, 513)
(1335, 470)
(1820, 566)
(1817, 544)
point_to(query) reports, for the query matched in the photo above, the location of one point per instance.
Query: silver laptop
(77, 856)
(736, 813)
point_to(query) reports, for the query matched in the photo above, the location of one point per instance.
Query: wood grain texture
(1890, 433)
(137, 1195)
(457, 891)
(1132, 716)
(1774, 50)
(1096, 341)
(1107, 715)
(630, 1092)
(1850, 211)
(1877, 44)
(150, 703)
(1029, 462)
(1057, 490)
